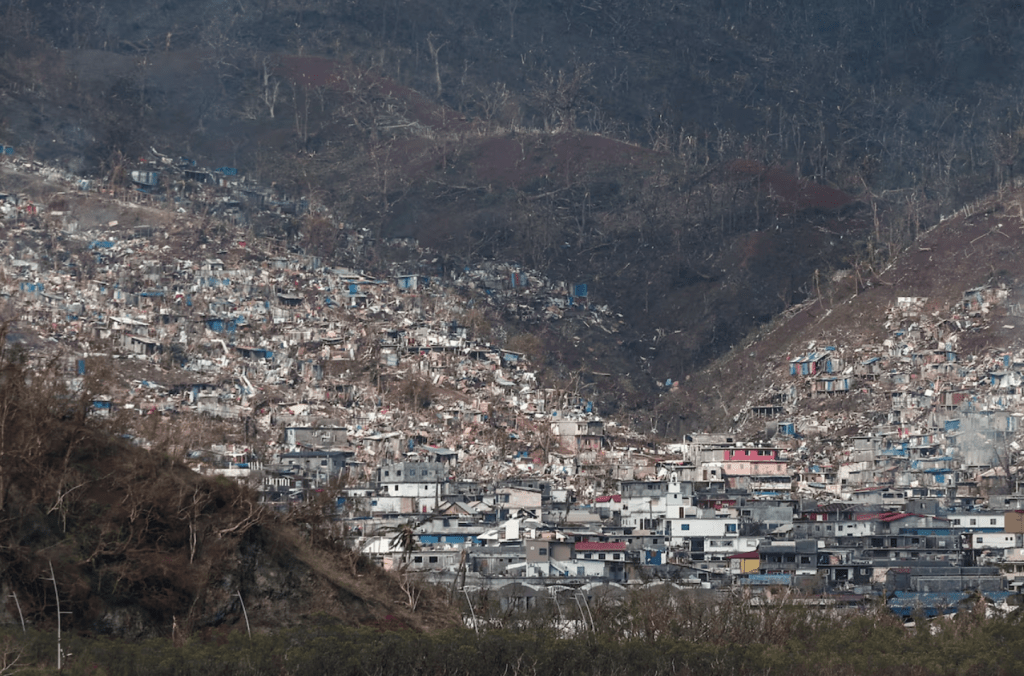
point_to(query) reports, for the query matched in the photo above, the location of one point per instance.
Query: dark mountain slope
(980, 245)
(139, 544)
(758, 148)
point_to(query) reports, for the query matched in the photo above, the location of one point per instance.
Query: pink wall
(752, 454)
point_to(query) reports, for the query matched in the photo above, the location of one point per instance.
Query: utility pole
(472, 612)
(20, 614)
(248, 629)
(56, 592)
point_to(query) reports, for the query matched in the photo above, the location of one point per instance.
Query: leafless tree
(434, 51)
(511, 6)
(562, 94)
(300, 105)
(270, 85)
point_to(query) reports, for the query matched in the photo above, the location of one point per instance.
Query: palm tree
(404, 539)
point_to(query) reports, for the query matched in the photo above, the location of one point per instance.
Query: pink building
(751, 454)
(756, 469)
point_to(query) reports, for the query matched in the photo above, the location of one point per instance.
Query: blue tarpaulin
(766, 579)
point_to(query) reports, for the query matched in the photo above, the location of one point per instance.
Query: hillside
(730, 190)
(977, 246)
(140, 545)
(700, 167)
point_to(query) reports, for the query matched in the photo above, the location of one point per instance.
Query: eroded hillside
(140, 545)
(701, 168)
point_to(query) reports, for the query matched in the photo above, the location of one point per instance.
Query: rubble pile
(447, 454)
(290, 355)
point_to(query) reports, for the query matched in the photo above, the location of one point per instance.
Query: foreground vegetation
(130, 542)
(774, 639)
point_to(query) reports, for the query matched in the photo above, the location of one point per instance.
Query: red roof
(600, 546)
(609, 498)
(745, 555)
(886, 517)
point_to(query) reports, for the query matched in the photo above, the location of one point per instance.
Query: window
(431, 559)
(417, 559)
(980, 540)
(992, 522)
(387, 472)
(396, 487)
(684, 526)
(601, 556)
(543, 551)
(729, 528)
(588, 556)
(805, 559)
(398, 473)
(974, 522)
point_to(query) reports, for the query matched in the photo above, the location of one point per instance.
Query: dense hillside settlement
(882, 466)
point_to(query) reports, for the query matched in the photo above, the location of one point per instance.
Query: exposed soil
(960, 253)
(768, 164)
